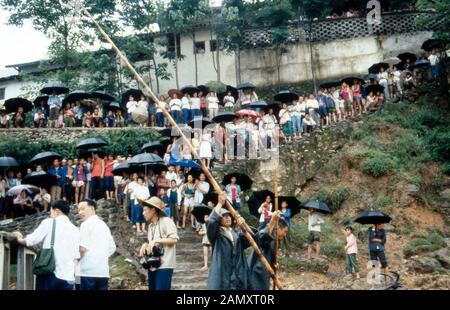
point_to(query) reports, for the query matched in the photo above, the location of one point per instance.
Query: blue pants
(176, 115)
(136, 213)
(160, 119)
(195, 112)
(160, 279)
(375, 255)
(434, 72)
(296, 124)
(236, 205)
(93, 284)
(186, 118)
(52, 283)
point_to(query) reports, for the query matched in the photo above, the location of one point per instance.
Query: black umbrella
(293, 204)
(16, 190)
(136, 93)
(124, 167)
(190, 89)
(153, 146)
(44, 157)
(13, 104)
(56, 87)
(204, 89)
(331, 84)
(350, 80)
(242, 179)
(91, 143)
(194, 172)
(421, 63)
(210, 197)
(256, 199)
(114, 106)
(404, 56)
(224, 117)
(372, 217)
(374, 88)
(77, 95)
(39, 99)
(103, 95)
(261, 104)
(148, 161)
(286, 96)
(8, 162)
(39, 179)
(200, 211)
(246, 86)
(376, 68)
(431, 44)
(316, 205)
(200, 121)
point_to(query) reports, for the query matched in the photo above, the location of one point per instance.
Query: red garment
(109, 165)
(266, 211)
(80, 173)
(233, 192)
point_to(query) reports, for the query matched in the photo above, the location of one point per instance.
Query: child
(351, 249)
(87, 120)
(206, 245)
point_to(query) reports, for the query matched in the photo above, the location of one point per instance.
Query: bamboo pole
(246, 229)
(275, 177)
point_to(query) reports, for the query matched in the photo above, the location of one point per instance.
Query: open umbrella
(152, 146)
(136, 93)
(392, 61)
(172, 92)
(431, 44)
(224, 117)
(246, 86)
(404, 56)
(350, 80)
(13, 104)
(244, 181)
(120, 169)
(103, 95)
(293, 204)
(7, 162)
(217, 87)
(286, 96)
(372, 217)
(16, 190)
(190, 89)
(39, 179)
(372, 76)
(54, 87)
(247, 112)
(39, 99)
(91, 143)
(186, 163)
(77, 95)
(421, 63)
(256, 199)
(114, 106)
(261, 104)
(204, 89)
(148, 161)
(200, 211)
(330, 84)
(44, 157)
(211, 196)
(316, 205)
(374, 88)
(376, 68)
(200, 121)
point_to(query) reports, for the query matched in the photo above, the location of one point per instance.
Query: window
(199, 47)
(2, 93)
(213, 45)
(171, 44)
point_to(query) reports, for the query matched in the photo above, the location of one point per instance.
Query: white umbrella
(392, 61)
(16, 190)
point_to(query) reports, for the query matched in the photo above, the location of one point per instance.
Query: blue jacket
(75, 173)
(58, 171)
(380, 234)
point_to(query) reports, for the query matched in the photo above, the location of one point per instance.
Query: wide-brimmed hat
(153, 202)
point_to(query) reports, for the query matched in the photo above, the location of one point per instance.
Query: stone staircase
(187, 275)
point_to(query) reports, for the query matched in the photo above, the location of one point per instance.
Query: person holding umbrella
(234, 193)
(54, 104)
(266, 211)
(98, 175)
(58, 171)
(314, 222)
(377, 240)
(286, 214)
(19, 118)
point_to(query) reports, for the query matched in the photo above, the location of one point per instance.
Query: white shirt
(131, 106)
(96, 238)
(140, 191)
(195, 103)
(198, 195)
(433, 59)
(314, 218)
(213, 102)
(382, 76)
(54, 102)
(309, 122)
(2, 188)
(312, 104)
(185, 103)
(284, 116)
(229, 101)
(171, 176)
(143, 104)
(66, 247)
(175, 105)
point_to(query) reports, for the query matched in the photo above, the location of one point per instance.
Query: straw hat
(153, 202)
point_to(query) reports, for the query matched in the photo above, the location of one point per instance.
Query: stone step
(186, 278)
(192, 286)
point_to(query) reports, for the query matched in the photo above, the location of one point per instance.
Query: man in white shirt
(313, 108)
(171, 174)
(434, 61)
(66, 247)
(96, 246)
(131, 106)
(314, 222)
(383, 81)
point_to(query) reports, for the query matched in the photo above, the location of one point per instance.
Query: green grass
(422, 243)
(333, 196)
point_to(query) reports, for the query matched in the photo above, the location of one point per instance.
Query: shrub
(422, 243)
(333, 197)
(378, 164)
(333, 247)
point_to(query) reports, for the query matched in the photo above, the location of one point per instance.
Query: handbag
(44, 264)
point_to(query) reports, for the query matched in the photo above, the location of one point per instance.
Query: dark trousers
(160, 119)
(93, 284)
(69, 192)
(52, 283)
(97, 188)
(160, 279)
(375, 255)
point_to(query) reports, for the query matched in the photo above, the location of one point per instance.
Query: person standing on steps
(96, 246)
(314, 222)
(228, 269)
(351, 250)
(259, 278)
(377, 240)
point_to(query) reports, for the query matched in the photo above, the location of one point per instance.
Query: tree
(53, 18)
(441, 9)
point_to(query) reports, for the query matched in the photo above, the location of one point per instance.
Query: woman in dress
(205, 148)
